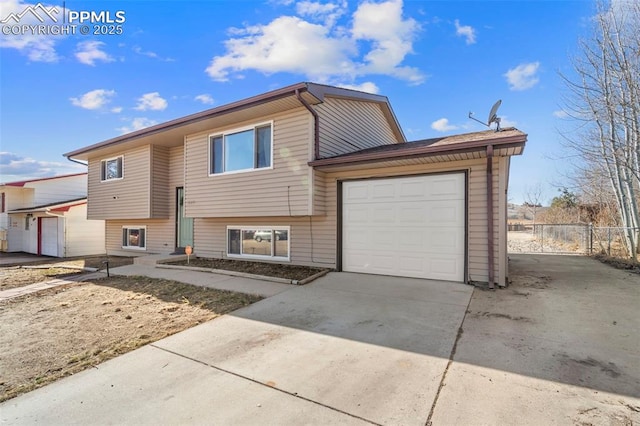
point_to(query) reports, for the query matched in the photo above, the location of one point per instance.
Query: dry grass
(58, 332)
(619, 263)
(47, 269)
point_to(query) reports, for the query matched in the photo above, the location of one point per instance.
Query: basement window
(134, 238)
(258, 242)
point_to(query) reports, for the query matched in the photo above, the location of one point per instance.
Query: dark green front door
(184, 224)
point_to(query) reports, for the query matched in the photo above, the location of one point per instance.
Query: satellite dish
(493, 116)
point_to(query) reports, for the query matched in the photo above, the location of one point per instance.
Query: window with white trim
(270, 242)
(134, 237)
(111, 169)
(241, 150)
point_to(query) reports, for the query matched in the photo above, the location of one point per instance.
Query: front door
(184, 225)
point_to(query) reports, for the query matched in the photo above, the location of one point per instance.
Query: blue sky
(435, 60)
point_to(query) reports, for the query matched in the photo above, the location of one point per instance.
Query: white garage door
(406, 226)
(49, 236)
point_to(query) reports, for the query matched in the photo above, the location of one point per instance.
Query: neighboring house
(48, 216)
(325, 171)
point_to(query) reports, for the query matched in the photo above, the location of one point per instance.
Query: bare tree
(605, 99)
(533, 199)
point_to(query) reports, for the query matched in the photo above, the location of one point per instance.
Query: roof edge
(51, 206)
(409, 151)
(22, 183)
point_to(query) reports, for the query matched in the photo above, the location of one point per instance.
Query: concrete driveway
(346, 349)
(559, 346)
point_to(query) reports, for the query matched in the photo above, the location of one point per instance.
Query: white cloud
(88, 52)
(442, 125)
(324, 51)
(17, 167)
(523, 77)
(561, 114)
(151, 101)
(116, 110)
(466, 31)
(150, 54)
(367, 86)
(94, 99)
(137, 123)
(328, 13)
(391, 37)
(205, 98)
(38, 48)
(505, 122)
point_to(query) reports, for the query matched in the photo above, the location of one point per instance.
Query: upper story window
(111, 169)
(241, 150)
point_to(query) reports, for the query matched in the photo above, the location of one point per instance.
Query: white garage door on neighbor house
(49, 236)
(405, 226)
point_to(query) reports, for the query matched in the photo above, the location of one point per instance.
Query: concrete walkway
(33, 288)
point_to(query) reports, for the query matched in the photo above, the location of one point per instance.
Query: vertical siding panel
(160, 232)
(348, 126)
(160, 182)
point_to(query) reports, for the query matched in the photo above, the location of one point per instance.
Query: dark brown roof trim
(50, 205)
(319, 91)
(406, 151)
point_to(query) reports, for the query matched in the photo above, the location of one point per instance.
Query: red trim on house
(24, 182)
(66, 208)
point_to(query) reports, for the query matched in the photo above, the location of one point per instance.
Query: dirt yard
(61, 331)
(21, 275)
(291, 272)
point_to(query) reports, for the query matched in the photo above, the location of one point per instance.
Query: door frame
(178, 210)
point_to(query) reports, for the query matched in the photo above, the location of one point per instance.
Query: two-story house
(48, 216)
(310, 175)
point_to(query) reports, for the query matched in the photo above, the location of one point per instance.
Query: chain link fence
(570, 238)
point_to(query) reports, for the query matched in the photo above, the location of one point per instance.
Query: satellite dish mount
(493, 116)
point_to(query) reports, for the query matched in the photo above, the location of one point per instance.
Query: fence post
(541, 238)
(609, 242)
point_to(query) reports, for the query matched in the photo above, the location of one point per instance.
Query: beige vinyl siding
(160, 233)
(279, 191)
(476, 201)
(126, 198)
(159, 182)
(159, 236)
(319, 193)
(348, 126)
(211, 234)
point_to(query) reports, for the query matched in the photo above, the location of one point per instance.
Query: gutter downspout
(316, 125)
(490, 255)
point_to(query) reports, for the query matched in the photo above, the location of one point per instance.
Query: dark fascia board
(192, 118)
(407, 151)
(47, 206)
(318, 91)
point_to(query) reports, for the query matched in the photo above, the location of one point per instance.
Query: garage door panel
(409, 226)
